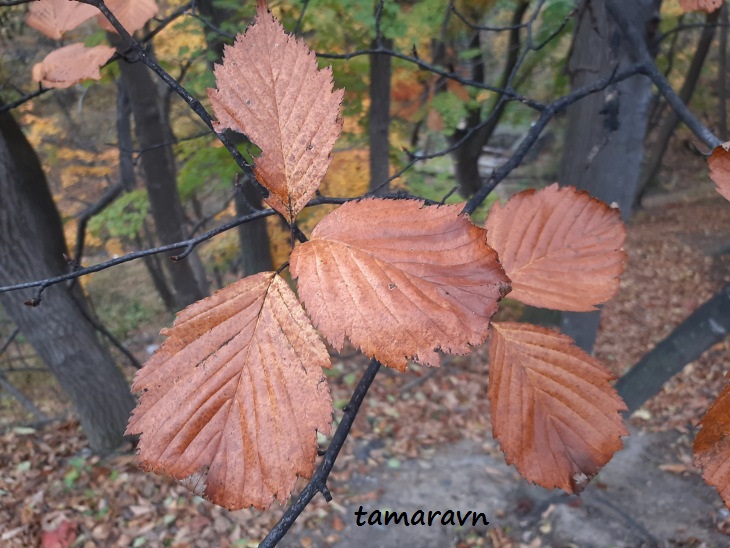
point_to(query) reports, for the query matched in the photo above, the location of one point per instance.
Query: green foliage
(451, 108)
(204, 166)
(123, 218)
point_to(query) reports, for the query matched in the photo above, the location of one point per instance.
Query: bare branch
(318, 483)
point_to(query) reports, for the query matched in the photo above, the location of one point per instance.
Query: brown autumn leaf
(269, 87)
(719, 162)
(701, 5)
(553, 410)
(55, 17)
(236, 392)
(712, 445)
(69, 65)
(560, 247)
(132, 14)
(400, 280)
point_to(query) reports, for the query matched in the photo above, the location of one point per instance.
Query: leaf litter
(48, 471)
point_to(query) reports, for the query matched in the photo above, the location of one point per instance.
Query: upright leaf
(701, 5)
(236, 391)
(712, 445)
(560, 247)
(553, 410)
(132, 14)
(719, 162)
(55, 17)
(67, 66)
(269, 87)
(400, 280)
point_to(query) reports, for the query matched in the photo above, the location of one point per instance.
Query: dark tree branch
(298, 26)
(23, 99)
(510, 93)
(191, 101)
(536, 129)
(650, 69)
(318, 483)
(706, 326)
(83, 218)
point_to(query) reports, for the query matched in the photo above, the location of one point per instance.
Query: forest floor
(423, 441)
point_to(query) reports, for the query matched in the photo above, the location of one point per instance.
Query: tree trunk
(467, 155)
(666, 129)
(706, 326)
(32, 244)
(129, 182)
(603, 147)
(253, 237)
(158, 164)
(379, 121)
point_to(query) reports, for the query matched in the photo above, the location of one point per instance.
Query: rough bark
(656, 152)
(32, 247)
(253, 237)
(706, 326)
(603, 147)
(158, 164)
(379, 120)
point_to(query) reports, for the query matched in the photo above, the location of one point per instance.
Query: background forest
(449, 101)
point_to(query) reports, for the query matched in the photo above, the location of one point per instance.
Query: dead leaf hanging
(56, 17)
(712, 445)
(269, 87)
(67, 66)
(553, 410)
(701, 5)
(236, 390)
(560, 247)
(400, 280)
(719, 162)
(132, 14)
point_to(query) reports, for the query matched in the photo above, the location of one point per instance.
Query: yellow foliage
(114, 247)
(348, 175)
(74, 174)
(37, 128)
(78, 155)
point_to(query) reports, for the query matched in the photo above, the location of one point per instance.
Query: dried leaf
(55, 17)
(553, 410)
(269, 87)
(719, 162)
(712, 445)
(69, 65)
(701, 5)
(560, 247)
(236, 391)
(400, 280)
(132, 14)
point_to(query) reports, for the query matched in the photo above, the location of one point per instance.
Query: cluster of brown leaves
(71, 64)
(233, 400)
(712, 445)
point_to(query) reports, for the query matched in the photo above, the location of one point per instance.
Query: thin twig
(318, 483)
(298, 26)
(193, 103)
